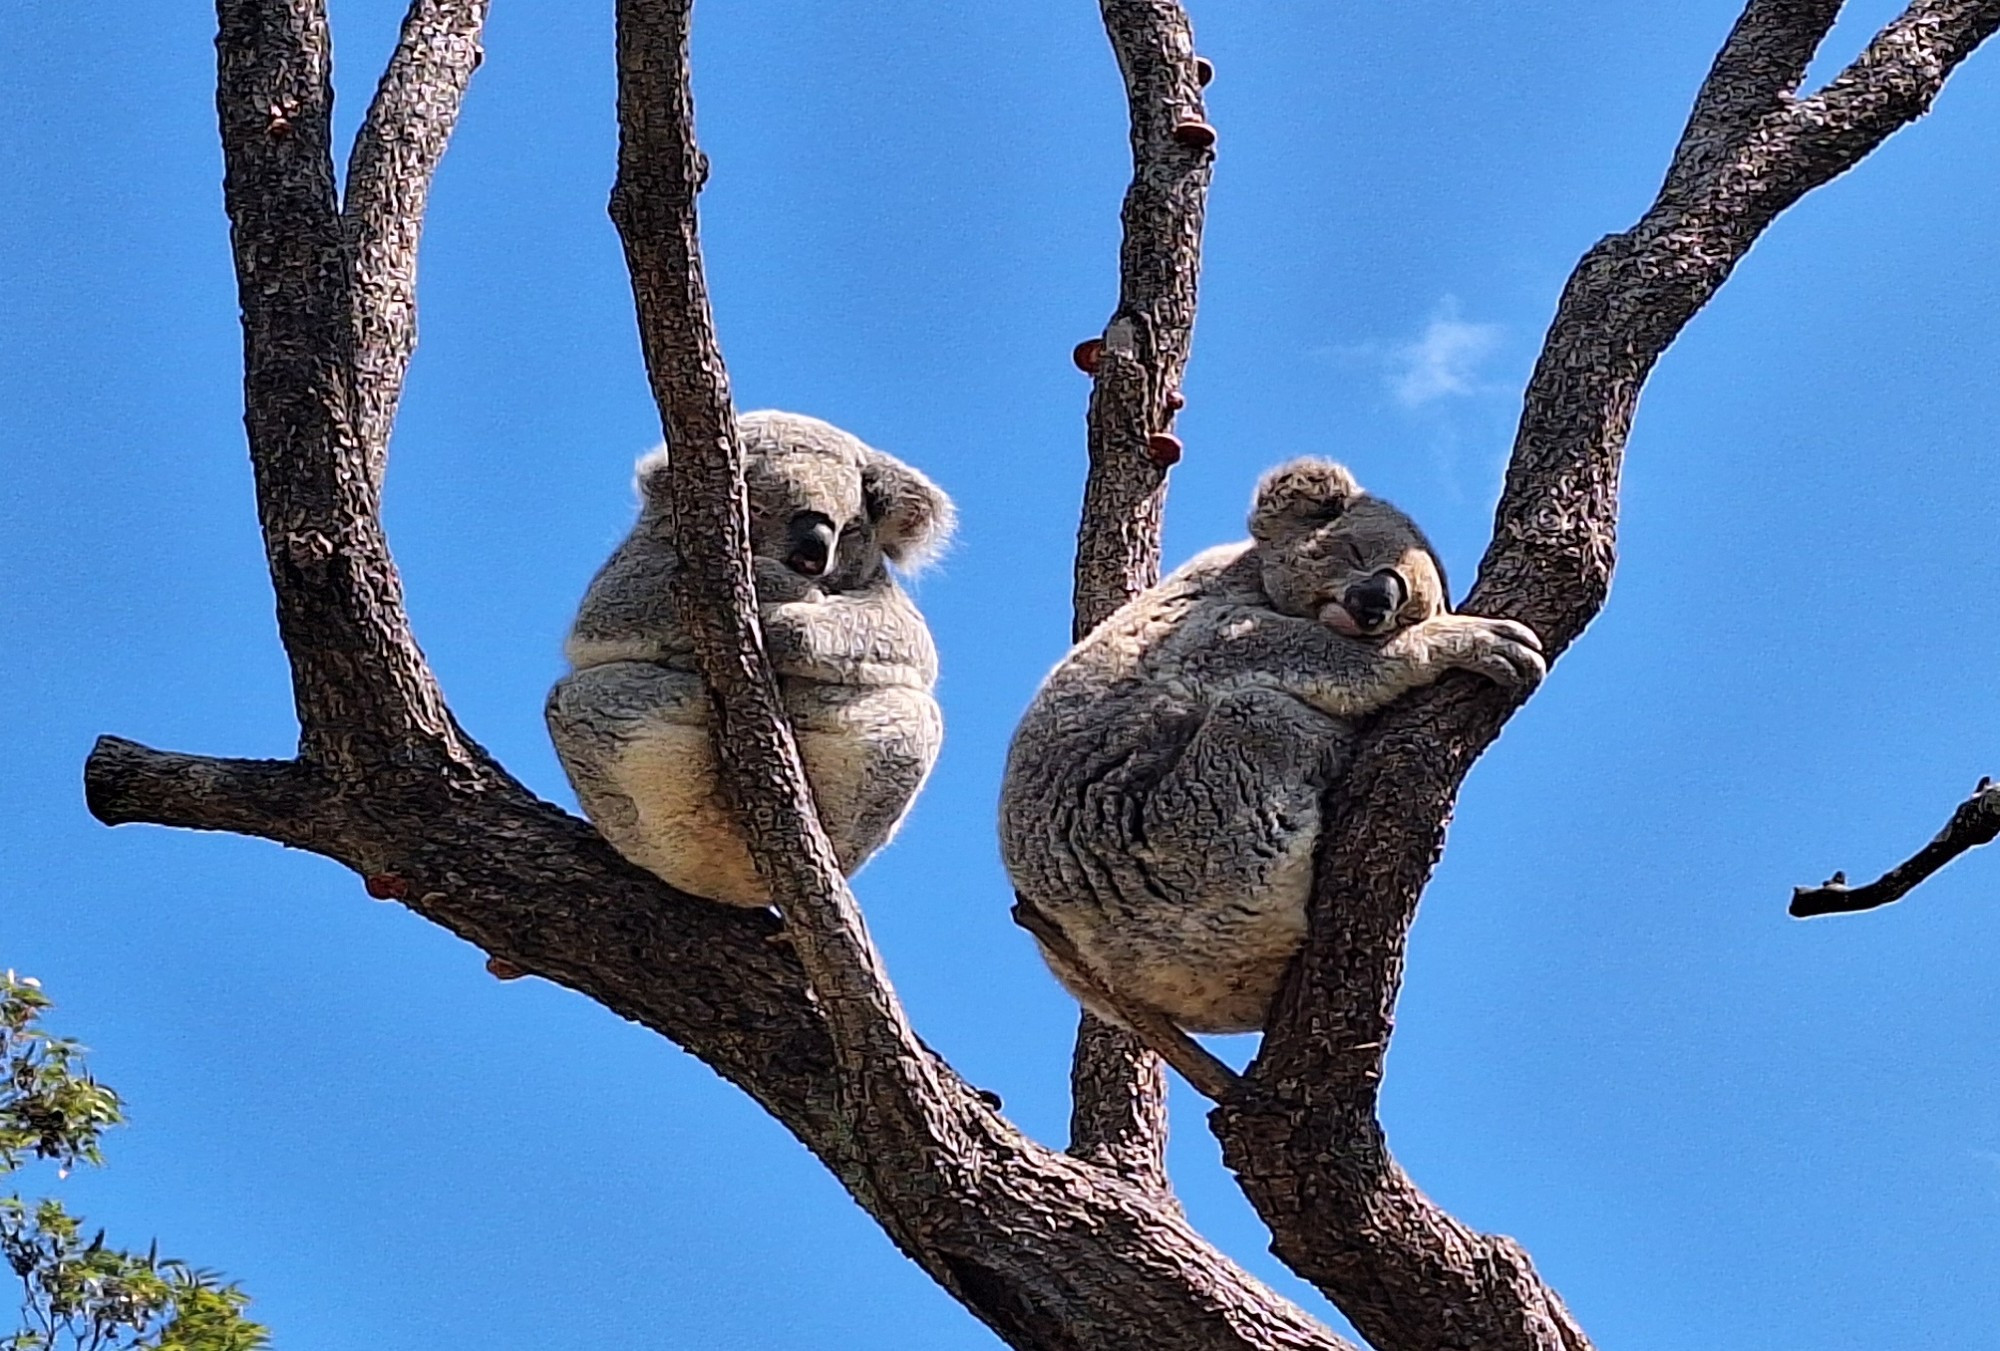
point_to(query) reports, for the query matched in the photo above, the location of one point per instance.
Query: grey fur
(854, 658)
(1162, 795)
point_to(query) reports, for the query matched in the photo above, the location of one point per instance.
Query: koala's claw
(1505, 651)
(1516, 630)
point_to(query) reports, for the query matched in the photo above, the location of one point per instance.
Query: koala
(1161, 802)
(853, 656)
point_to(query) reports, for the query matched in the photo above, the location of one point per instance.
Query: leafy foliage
(78, 1294)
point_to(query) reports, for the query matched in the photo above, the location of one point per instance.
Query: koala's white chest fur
(635, 740)
(854, 661)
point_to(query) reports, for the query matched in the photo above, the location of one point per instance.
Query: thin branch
(363, 694)
(1118, 1098)
(395, 155)
(1153, 1030)
(1304, 1138)
(1976, 821)
(894, 1077)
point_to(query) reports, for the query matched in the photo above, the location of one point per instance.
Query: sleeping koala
(1161, 803)
(854, 660)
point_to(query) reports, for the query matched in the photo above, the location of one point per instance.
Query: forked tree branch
(1118, 1092)
(1975, 822)
(1306, 1142)
(1051, 1251)
(363, 692)
(1759, 68)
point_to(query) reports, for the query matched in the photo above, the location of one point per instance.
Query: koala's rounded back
(1162, 797)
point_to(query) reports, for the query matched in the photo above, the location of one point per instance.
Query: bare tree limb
(1306, 1142)
(1118, 1091)
(277, 800)
(389, 171)
(896, 1082)
(1976, 821)
(363, 693)
(1755, 74)
(1051, 1251)
(1155, 1031)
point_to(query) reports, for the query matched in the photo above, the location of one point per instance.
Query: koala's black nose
(1374, 599)
(813, 537)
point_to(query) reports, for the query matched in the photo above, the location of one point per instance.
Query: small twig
(1196, 1064)
(1975, 822)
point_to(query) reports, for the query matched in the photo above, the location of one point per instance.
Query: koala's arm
(872, 637)
(628, 612)
(1231, 647)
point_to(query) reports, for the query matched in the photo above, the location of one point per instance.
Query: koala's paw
(1505, 652)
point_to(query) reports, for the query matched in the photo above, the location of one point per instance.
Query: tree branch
(1305, 1141)
(1118, 1092)
(894, 1079)
(364, 695)
(1975, 822)
(277, 800)
(395, 155)
(1755, 74)
(1154, 1030)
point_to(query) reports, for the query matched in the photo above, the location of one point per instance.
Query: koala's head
(1333, 553)
(824, 504)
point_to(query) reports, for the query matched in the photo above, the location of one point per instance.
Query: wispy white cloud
(1445, 360)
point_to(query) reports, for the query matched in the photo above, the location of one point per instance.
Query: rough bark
(1976, 821)
(1303, 1136)
(1080, 1250)
(1118, 1088)
(1051, 1251)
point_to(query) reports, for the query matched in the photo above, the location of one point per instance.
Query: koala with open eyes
(1161, 803)
(854, 660)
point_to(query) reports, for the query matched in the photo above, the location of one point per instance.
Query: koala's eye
(811, 537)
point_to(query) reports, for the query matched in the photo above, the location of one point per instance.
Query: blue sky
(1710, 1125)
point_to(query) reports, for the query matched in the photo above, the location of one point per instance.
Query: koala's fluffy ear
(913, 518)
(1298, 496)
(649, 476)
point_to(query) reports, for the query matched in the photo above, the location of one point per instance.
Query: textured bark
(1052, 1250)
(1975, 822)
(1303, 1137)
(1118, 1088)
(389, 171)
(362, 690)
